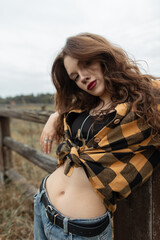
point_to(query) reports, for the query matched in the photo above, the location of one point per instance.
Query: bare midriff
(74, 196)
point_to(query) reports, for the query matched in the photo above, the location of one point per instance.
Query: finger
(47, 143)
(45, 147)
(49, 146)
(43, 142)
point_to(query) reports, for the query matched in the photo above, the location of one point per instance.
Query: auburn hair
(123, 78)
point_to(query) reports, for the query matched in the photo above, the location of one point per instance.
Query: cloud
(15, 83)
(33, 32)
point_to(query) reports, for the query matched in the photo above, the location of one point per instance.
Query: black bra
(87, 127)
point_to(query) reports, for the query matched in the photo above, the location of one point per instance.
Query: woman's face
(88, 77)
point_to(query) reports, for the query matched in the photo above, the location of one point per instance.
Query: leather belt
(81, 229)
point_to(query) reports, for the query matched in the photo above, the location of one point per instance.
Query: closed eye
(75, 78)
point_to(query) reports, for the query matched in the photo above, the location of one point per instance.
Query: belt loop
(70, 234)
(65, 225)
(42, 187)
(41, 193)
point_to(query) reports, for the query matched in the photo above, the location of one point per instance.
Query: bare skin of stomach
(74, 196)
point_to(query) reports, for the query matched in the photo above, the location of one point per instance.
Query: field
(16, 212)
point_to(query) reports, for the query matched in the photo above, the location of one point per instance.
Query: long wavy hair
(123, 78)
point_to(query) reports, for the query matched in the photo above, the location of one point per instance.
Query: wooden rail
(136, 218)
(8, 144)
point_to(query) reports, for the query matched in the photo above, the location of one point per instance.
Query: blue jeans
(45, 230)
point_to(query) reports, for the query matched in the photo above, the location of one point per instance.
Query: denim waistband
(77, 220)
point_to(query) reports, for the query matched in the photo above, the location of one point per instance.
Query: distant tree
(31, 98)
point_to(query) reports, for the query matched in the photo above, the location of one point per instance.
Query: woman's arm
(48, 133)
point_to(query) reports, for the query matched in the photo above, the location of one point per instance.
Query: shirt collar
(122, 109)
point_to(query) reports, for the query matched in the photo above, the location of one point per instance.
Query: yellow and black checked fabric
(121, 156)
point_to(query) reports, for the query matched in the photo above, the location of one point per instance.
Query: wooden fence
(136, 218)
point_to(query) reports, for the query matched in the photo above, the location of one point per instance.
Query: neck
(103, 106)
(106, 99)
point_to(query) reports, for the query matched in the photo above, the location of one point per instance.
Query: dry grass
(16, 212)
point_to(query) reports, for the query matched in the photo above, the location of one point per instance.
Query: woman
(107, 116)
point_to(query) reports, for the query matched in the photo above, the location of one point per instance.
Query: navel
(62, 193)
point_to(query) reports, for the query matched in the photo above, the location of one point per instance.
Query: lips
(91, 85)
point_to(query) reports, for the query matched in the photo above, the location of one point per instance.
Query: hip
(52, 224)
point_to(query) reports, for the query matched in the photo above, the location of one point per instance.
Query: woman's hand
(48, 133)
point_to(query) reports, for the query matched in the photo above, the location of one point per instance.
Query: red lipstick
(91, 85)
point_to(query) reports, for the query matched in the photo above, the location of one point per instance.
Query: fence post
(156, 204)
(5, 153)
(1, 157)
(138, 216)
(133, 217)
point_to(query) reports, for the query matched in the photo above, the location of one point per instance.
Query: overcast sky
(32, 32)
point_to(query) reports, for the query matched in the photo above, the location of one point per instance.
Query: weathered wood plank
(156, 204)
(28, 189)
(1, 157)
(37, 157)
(133, 217)
(4, 161)
(28, 115)
(7, 156)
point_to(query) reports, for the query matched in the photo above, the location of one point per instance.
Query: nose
(84, 76)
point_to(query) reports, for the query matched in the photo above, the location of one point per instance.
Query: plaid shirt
(121, 156)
